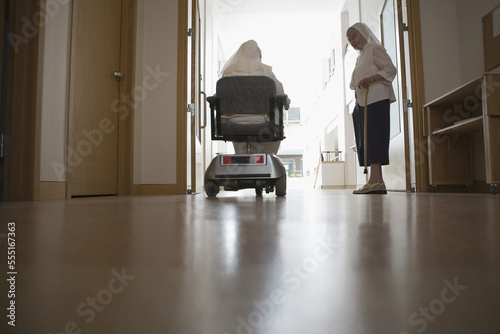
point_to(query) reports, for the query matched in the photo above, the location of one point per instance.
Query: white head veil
(246, 61)
(366, 33)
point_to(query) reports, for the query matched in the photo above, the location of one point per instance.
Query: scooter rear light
(243, 160)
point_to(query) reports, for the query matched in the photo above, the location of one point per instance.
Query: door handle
(204, 110)
(118, 75)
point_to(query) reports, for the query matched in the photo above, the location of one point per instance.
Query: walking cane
(366, 131)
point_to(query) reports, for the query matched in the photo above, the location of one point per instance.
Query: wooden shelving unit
(474, 124)
(452, 120)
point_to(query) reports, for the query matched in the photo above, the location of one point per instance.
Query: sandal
(372, 188)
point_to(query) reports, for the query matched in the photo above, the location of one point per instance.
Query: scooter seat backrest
(246, 95)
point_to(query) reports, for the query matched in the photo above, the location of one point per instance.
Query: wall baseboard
(57, 190)
(52, 190)
(336, 187)
(155, 189)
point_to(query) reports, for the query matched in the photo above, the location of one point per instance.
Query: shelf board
(458, 94)
(451, 182)
(470, 125)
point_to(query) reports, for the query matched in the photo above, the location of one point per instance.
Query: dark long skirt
(378, 132)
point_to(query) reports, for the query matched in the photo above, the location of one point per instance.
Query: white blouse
(373, 60)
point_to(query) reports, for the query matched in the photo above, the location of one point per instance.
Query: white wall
(349, 16)
(452, 43)
(55, 91)
(155, 121)
(471, 38)
(440, 47)
(352, 7)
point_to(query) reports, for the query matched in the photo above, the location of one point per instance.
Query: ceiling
(278, 6)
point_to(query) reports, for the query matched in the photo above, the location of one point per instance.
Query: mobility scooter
(246, 109)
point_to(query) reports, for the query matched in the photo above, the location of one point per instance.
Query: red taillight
(243, 159)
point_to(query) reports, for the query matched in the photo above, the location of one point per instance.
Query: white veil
(245, 61)
(366, 33)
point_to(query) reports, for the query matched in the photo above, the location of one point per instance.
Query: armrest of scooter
(277, 117)
(215, 120)
(212, 100)
(281, 100)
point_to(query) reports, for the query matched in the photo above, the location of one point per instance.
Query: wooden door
(95, 85)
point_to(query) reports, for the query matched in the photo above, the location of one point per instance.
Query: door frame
(418, 96)
(126, 124)
(402, 78)
(126, 92)
(182, 98)
(404, 91)
(182, 80)
(197, 99)
(22, 168)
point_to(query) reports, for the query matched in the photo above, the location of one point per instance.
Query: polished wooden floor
(316, 261)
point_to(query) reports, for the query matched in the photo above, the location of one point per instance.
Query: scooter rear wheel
(211, 188)
(281, 186)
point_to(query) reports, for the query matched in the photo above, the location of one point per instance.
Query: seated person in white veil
(248, 61)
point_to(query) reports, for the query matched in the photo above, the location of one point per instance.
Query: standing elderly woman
(373, 73)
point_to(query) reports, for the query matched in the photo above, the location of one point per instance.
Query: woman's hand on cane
(366, 82)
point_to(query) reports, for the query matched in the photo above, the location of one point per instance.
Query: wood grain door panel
(93, 129)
